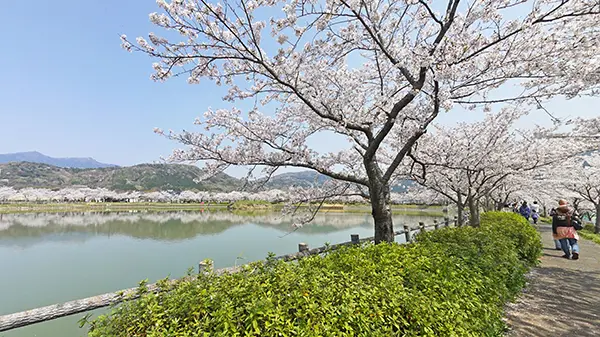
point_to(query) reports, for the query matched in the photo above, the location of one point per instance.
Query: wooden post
(407, 233)
(204, 266)
(421, 227)
(436, 225)
(354, 238)
(302, 247)
(446, 221)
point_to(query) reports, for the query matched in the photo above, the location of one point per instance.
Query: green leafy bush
(517, 230)
(451, 282)
(494, 258)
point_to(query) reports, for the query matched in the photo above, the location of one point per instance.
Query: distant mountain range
(37, 172)
(144, 177)
(36, 157)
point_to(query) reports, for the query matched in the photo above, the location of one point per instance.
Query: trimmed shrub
(451, 282)
(516, 229)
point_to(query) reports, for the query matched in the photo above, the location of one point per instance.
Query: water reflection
(27, 229)
(78, 255)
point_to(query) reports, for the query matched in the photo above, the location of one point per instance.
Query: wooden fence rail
(38, 315)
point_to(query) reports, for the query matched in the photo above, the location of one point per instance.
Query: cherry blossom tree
(468, 161)
(375, 73)
(6, 193)
(473, 162)
(581, 177)
(526, 186)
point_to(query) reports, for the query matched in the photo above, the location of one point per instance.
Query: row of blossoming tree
(376, 75)
(84, 194)
(487, 164)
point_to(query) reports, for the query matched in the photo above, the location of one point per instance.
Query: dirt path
(563, 297)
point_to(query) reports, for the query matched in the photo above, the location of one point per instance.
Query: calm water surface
(52, 258)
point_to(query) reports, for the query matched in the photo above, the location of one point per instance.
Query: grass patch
(450, 282)
(588, 233)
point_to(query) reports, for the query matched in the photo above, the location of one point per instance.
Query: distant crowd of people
(565, 223)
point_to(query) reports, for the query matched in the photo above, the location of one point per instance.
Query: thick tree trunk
(544, 210)
(382, 215)
(490, 203)
(597, 227)
(460, 207)
(379, 192)
(473, 212)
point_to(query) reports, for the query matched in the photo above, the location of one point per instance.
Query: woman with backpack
(564, 223)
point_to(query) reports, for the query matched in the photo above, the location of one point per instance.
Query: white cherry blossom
(377, 73)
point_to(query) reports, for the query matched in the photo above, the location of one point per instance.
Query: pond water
(53, 258)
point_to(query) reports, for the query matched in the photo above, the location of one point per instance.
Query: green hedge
(517, 230)
(451, 282)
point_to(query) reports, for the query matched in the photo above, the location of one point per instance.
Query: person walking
(535, 212)
(524, 210)
(515, 207)
(557, 245)
(563, 230)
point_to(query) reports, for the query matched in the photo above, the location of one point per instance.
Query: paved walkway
(563, 297)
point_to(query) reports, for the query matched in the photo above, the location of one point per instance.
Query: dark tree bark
(544, 210)
(460, 209)
(597, 227)
(382, 215)
(473, 211)
(379, 191)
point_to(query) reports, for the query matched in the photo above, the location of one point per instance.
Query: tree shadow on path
(563, 297)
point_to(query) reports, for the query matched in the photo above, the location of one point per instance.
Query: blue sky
(69, 90)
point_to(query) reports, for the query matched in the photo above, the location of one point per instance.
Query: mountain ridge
(66, 162)
(142, 177)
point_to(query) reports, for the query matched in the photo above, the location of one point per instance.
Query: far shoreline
(243, 207)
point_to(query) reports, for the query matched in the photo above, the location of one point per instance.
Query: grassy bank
(450, 282)
(416, 210)
(588, 233)
(242, 206)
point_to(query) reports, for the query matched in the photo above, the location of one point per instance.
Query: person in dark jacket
(563, 230)
(524, 210)
(557, 245)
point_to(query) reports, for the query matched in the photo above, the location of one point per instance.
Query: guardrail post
(204, 266)
(421, 227)
(407, 233)
(436, 225)
(446, 221)
(302, 247)
(354, 238)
